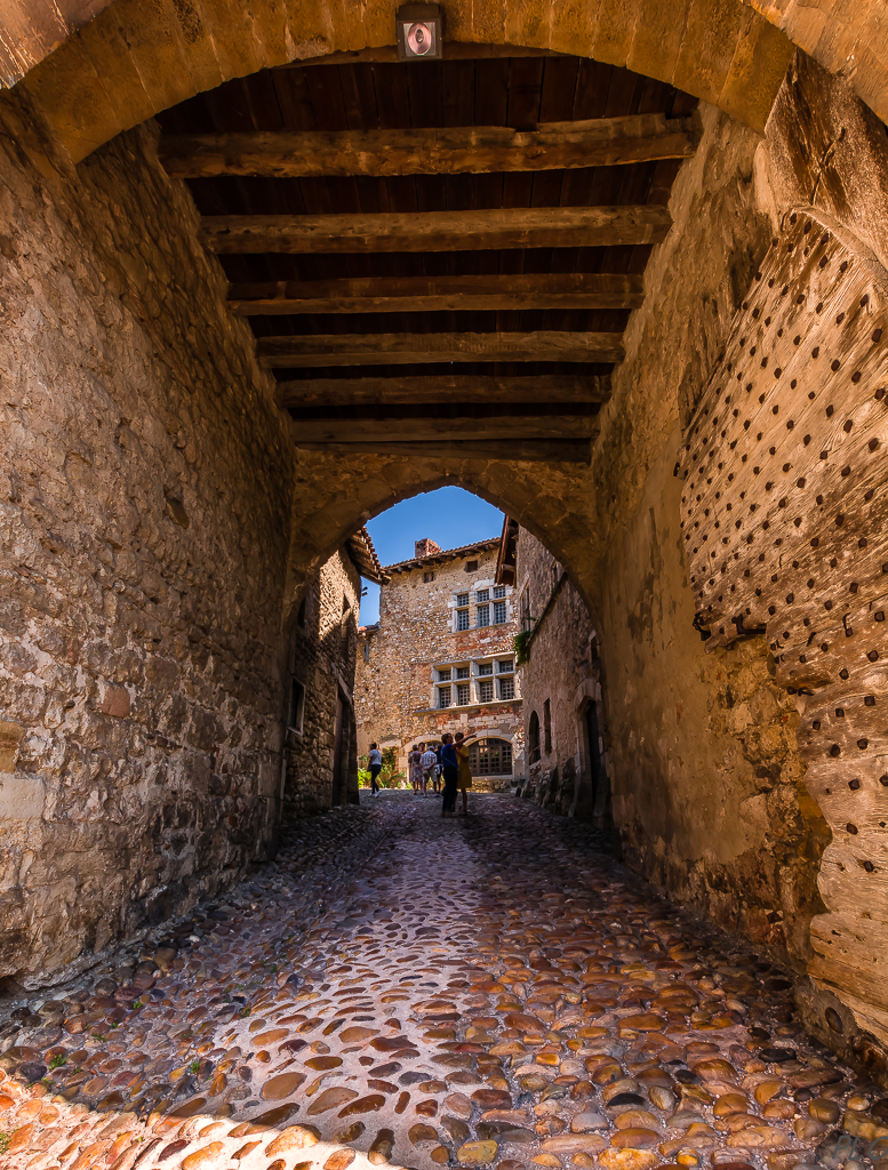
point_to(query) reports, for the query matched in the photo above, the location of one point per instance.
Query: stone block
(115, 702)
(21, 797)
(10, 737)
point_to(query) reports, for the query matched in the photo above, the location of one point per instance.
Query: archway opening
(447, 646)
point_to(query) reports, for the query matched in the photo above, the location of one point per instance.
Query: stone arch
(533, 738)
(532, 493)
(132, 61)
(488, 736)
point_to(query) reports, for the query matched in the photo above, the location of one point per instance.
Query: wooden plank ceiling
(436, 253)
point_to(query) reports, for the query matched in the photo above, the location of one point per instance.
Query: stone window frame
(485, 690)
(463, 689)
(469, 604)
(470, 673)
(444, 693)
(505, 666)
(505, 685)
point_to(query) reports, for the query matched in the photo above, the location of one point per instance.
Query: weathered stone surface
(565, 761)
(125, 638)
(321, 749)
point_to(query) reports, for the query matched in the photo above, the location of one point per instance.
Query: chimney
(426, 548)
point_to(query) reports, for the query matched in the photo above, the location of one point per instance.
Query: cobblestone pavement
(401, 990)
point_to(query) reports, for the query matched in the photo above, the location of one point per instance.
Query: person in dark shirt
(450, 772)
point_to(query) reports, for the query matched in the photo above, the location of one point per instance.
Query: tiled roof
(362, 552)
(446, 554)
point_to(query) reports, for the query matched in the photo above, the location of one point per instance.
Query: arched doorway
(490, 758)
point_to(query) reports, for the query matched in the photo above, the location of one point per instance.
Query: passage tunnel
(624, 280)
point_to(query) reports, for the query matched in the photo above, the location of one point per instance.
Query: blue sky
(450, 516)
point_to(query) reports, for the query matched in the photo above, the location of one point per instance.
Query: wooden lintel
(389, 425)
(441, 231)
(454, 150)
(435, 389)
(384, 349)
(388, 54)
(509, 451)
(430, 294)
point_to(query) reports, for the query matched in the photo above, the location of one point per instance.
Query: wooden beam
(509, 451)
(390, 425)
(454, 51)
(399, 349)
(439, 231)
(433, 390)
(454, 150)
(430, 294)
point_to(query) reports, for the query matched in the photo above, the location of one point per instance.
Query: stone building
(441, 659)
(321, 768)
(560, 673)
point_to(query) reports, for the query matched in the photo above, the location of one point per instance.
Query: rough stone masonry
(144, 503)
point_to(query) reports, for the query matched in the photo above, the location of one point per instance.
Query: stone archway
(128, 63)
(195, 432)
(131, 62)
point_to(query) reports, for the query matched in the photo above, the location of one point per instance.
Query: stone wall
(144, 499)
(322, 765)
(713, 794)
(561, 688)
(395, 688)
(708, 793)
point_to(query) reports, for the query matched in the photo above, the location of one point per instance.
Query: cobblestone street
(406, 991)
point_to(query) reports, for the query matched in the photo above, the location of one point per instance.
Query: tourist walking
(429, 760)
(450, 772)
(436, 774)
(374, 759)
(464, 771)
(414, 766)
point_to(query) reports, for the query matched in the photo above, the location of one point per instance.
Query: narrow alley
(404, 991)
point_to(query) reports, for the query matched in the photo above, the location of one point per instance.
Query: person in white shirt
(375, 761)
(429, 762)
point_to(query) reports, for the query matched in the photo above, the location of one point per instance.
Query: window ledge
(468, 706)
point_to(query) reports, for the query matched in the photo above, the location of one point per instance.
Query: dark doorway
(340, 752)
(593, 795)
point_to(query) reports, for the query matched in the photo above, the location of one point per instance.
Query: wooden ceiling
(436, 252)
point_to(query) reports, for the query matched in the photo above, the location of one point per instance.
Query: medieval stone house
(560, 673)
(321, 754)
(441, 659)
